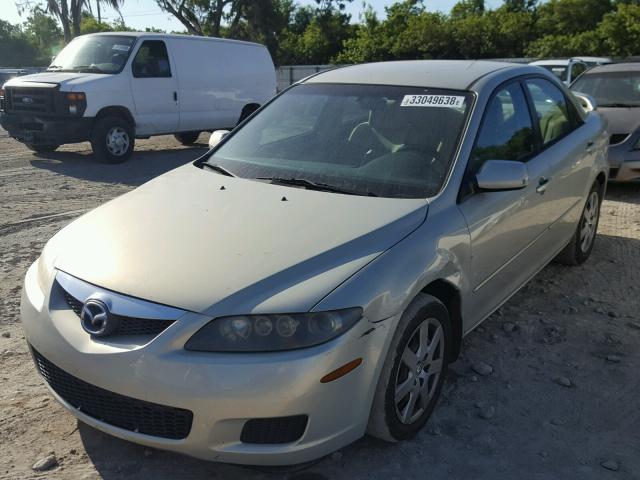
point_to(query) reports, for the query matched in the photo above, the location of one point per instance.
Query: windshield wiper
(218, 168)
(87, 69)
(54, 67)
(309, 185)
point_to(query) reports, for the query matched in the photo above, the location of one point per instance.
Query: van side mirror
(587, 102)
(499, 175)
(216, 137)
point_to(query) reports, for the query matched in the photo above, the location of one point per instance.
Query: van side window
(552, 111)
(507, 131)
(152, 60)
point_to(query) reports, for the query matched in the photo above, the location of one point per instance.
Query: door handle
(175, 96)
(542, 185)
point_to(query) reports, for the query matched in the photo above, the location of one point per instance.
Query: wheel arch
(116, 111)
(450, 296)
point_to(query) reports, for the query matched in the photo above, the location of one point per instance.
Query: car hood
(621, 120)
(208, 243)
(66, 80)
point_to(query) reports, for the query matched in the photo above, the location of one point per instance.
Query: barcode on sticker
(452, 101)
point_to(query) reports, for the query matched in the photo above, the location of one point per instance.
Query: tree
(44, 34)
(620, 30)
(69, 12)
(15, 48)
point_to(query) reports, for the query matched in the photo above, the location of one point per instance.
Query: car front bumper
(46, 130)
(624, 160)
(222, 391)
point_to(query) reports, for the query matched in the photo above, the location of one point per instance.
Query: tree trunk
(64, 19)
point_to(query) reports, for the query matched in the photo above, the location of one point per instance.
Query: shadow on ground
(141, 167)
(624, 192)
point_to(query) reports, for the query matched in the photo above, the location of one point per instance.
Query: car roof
(559, 61)
(616, 67)
(169, 35)
(451, 74)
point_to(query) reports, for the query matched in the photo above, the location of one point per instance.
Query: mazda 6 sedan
(310, 278)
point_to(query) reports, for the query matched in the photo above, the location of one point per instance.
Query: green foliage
(322, 33)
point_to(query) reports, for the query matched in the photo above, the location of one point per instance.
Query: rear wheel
(581, 244)
(414, 371)
(112, 139)
(41, 148)
(187, 138)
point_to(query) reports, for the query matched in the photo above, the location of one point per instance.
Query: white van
(111, 88)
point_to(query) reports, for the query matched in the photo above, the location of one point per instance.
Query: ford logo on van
(27, 100)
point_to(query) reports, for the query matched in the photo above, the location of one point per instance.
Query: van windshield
(386, 141)
(94, 54)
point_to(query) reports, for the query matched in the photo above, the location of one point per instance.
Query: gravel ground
(561, 400)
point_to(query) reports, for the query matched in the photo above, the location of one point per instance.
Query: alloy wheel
(589, 221)
(419, 370)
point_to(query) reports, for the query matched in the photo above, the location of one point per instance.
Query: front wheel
(41, 148)
(413, 372)
(112, 139)
(581, 244)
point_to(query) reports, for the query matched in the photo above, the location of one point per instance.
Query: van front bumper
(46, 130)
(223, 391)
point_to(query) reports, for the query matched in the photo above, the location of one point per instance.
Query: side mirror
(587, 102)
(216, 137)
(498, 175)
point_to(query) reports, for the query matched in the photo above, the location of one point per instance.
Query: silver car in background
(616, 89)
(311, 277)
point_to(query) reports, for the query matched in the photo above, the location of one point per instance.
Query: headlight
(269, 333)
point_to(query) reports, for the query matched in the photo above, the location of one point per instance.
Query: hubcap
(117, 141)
(419, 371)
(589, 222)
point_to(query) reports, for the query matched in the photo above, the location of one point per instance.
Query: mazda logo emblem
(27, 100)
(96, 319)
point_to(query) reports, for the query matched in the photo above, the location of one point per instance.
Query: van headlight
(270, 333)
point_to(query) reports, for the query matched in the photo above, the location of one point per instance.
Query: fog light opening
(341, 371)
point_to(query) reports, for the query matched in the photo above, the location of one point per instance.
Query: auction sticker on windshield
(452, 101)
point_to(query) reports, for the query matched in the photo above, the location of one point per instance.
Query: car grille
(274, 430)
(41, 100)
(118, 410)
(126, 325)
(617, 138)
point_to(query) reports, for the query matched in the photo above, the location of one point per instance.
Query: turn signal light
(342, 371)
(74, 97)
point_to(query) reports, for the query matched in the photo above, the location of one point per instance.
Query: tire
(187, 138)
(389, 419)
(580, 247)
(41, 148)
(247, 111)
(112, 139)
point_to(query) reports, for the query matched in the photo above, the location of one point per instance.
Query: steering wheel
(427, 153)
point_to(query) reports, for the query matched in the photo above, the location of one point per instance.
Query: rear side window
(551, 109)
(506, 132)
(152, 60)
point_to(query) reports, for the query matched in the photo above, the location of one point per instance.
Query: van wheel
(247, 111)
(187, 138)
(414, 371)
(112, 139)
(41, 148)
(584, 238)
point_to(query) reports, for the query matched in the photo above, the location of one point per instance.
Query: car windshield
(612, 89)
(386, 141)
(94, 54)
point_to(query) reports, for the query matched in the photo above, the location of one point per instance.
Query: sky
(140, 14)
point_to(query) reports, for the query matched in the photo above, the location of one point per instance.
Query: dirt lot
(562, 401)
